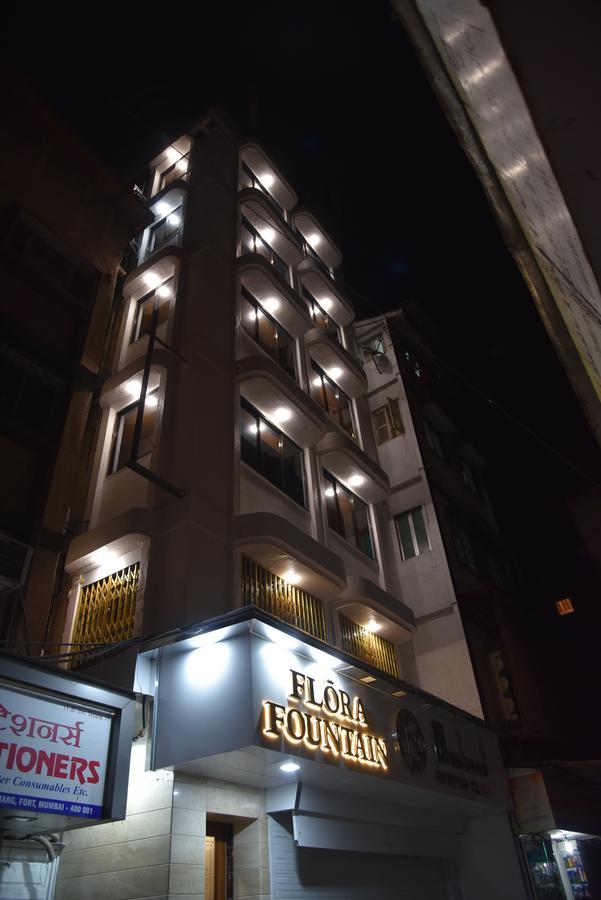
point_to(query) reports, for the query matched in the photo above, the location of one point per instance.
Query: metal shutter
(301, 873)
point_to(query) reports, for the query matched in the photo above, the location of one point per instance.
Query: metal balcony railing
(106, 610)
(367, 646)
(285, 601)
(248, 179)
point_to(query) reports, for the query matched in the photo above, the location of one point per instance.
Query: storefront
(309, 776)
(555, 815)
(65, 746)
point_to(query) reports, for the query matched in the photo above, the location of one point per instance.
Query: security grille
(367, 646)
(106, 609)
(286, 601)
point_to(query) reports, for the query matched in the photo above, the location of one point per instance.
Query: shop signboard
(256, 686)
(65, 745)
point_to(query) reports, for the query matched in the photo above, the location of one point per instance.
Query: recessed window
(434, 439)
(331, 398)
(469, 477)
(348, 515)
(264, 329)
(412, 533)
(251, 241)
(464, 547)
(167, 229)
(271, 453)
(124, 432)
(162, 297)
(373, 349)
(387, 421)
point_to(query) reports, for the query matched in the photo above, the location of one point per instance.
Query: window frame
(114, 467)
(136, 334)
(394, 429)
(409, 515)
(318, 372)
(285, 441)
(259, 309)
(332, 483)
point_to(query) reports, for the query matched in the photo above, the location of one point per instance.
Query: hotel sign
(53, 755)
(324, 717)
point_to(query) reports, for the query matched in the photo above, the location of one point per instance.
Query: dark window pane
(248, 316)
(293, 472)
(362, 524)
(345, 509)
(124, 433)
(332, 507)
(271, 452)
(405, 536)
(267, 334)
(419, 527)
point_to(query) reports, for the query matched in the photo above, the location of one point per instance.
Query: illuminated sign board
(324, 717)
(53, 755)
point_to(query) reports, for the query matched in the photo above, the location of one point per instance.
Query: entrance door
(216, 861)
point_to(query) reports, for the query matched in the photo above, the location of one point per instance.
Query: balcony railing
(285, 601)
(252, 242)
(248, 179)
(166, 231)
(320, 317)
(314, 256)
(106, 610)
(367, 646)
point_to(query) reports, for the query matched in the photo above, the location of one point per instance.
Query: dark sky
(334, 91)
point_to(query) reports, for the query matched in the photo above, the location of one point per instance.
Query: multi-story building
(239, 571)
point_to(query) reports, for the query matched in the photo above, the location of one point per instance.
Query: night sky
(335, 93)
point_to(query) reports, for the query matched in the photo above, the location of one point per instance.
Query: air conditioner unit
(15, 559)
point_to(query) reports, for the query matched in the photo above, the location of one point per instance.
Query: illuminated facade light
(271, 304)
(152, 280)
(164, 291)
(151, 401)
(267, 180)
(133, 388)
(289, 767)
(356, 480)
(173, 219)
(291, 576)
(326, 303)
(372, 626)
(103, 556)
(282, 414)
(335, 372)
(314, 239)
(162, 209)
(268, 234)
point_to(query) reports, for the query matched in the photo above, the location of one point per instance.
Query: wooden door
(216, 861)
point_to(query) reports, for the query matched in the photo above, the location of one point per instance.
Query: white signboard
(53, 755)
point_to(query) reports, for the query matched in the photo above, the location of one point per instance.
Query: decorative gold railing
(106, 609)
(367, 646)
(286, 601)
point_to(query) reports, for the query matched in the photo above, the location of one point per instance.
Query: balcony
(262, 588)
(337, 363)
(273, 393)
(168, 227)
(375, 610)
(255, 242)
(172, 165)
(267, 333)
(259, 172)
(369, 647)
(341, 456)
(277, 545)
(325, 292)
(274, 293)
(317, 242)
(106, 609)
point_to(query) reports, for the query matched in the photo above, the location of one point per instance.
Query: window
(267, 450)
(387, 421)
(469, 477)
(124, 432)
(274, 339)
(465, 550)
(331, 398)
(252, 242)
(145, 306)
(413, 364)
(412, 533)
(433, 439)
(167, 230)
(320, 317)
(248, 179)
(177, 170)
(348, 515)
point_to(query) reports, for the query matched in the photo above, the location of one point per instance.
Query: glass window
(331, 398)
(320, 317)
(267, 450)
(412, 533)
(274, 339)
(252, 242)
(433, 438)
(373, 348)
(145, 306)
(166, 230)
(178, 170)
(387, 421)
(348, 515)
(124, 432)
(465, 550)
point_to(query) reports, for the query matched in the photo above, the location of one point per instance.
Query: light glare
(335, 372)
(314, 239)
(271, 304)
(267, 180)
(289, 767)
(267, 234)
(282, 414)
(291, 576)
(356, 480)
(152, 280)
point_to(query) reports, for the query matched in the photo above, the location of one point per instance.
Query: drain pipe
(44, 841)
